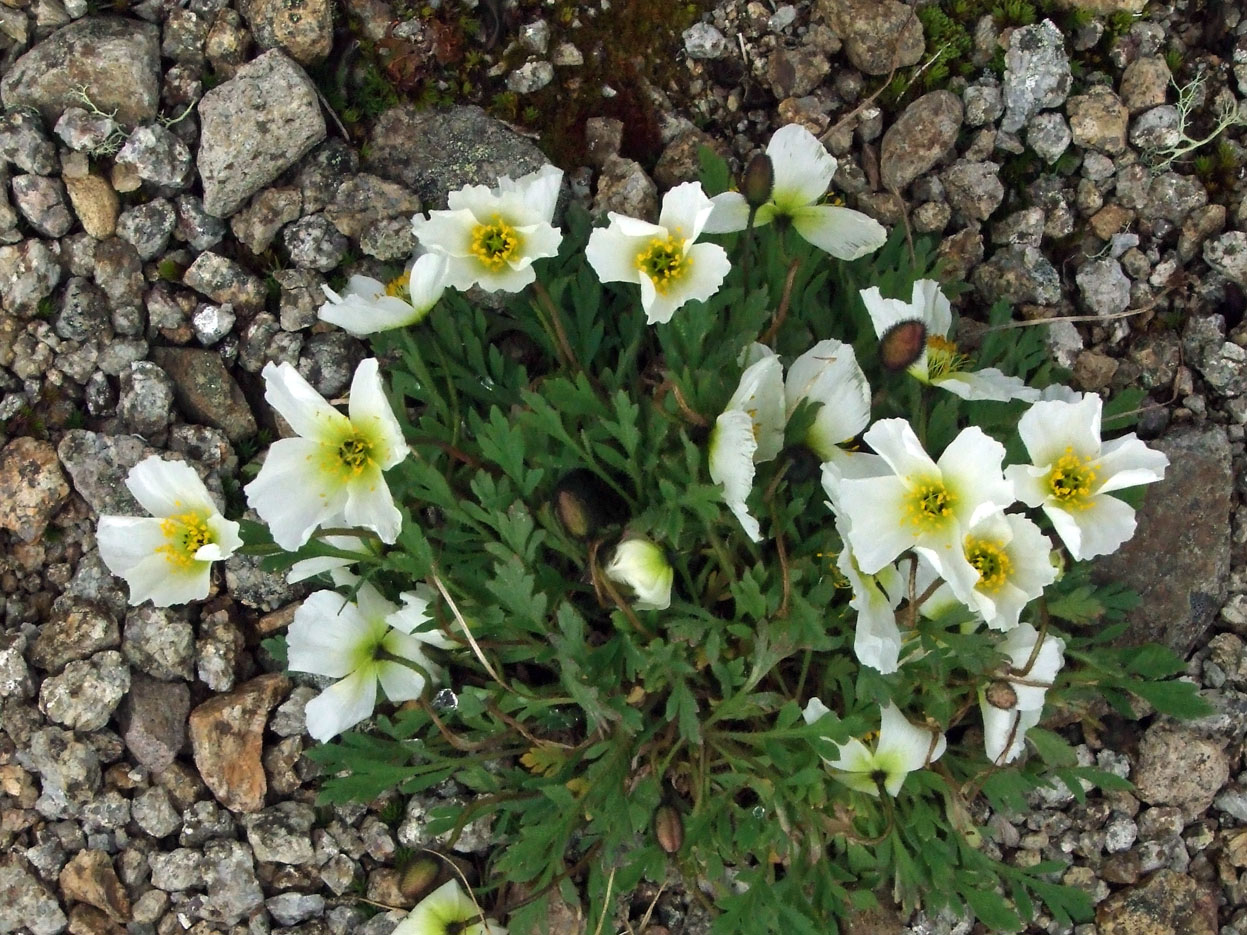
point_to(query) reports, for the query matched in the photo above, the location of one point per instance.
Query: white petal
(877, 639)
(427, 281)
(814, 710)
(505, 279)
(971, 466)
(1028, 483)
(642, 566)
(842, 232)
(904, 747)
(707, 267)
(445, 907)
(937, 312)
(1047, 428)
(1099, 529)
(855, 757)
(124, 541)
(828, 373)
(989, 384)
(326, 635)
(760, 394)
(372, 605)
(1127, 462)
(732, 447)
(225, 539)
(884, 313)
(342, 705)
(685, 210)
(373, 418)
(293, 493)
(400, 682)
(311, 567)
(541, 241)
(894, 441)
(1004, 731)
(803, 168)
(612, 254)
(877, 529)
(539, 190)
(445, 232)
(163, 583)
(370, 505)
(167, 488)
(730, 214)
(299, 404)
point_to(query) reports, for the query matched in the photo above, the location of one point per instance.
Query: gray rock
(86, 132)
(1021, 227)
(153, 720)
(303, 28)
(157, 156)
(323, 172)
(69, 769)
(213, 322)
(625, 188)
(23, 143)
(973, 189)
(206, 391)
(84, 696)
(154, 813)
(98, 464)
(923, 134)
(197, 227)
(204, 821)
(1179, 557)
(1019, 274)
(29, 271)
(1049, 136)
(42, 203)
(797, 72)
(250, 585)
(233, 891)
(1104, 287)
(1145, 83)
(434, 153)
(148, 227)
(1180, 768)
(119, 272)
(983, 104)
(1156, 129)
(254, 127)
(268, 212)
(1172, 197)
(293, 908)
(223, 280)
(314, 243)
(15, 681)
(364, 201)
(83, 314)
(217, 651)
(184, 35)
(282, 834)
(703, 41)
(115, 61)
(32, 487)
(76, 630)
(1227, 254)
(176, 870)
(146, 403)
(27, 904)
(290, 719)
(1037, 75)
(878, 35)
(1098, 120)
(530, 77)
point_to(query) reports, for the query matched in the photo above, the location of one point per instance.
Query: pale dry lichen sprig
(1230, 113)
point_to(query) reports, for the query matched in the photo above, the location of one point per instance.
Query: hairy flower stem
(781, 313)
(554, 326)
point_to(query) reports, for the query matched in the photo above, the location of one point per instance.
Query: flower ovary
(1071, 479)
(991, 561)
(664, 262)
(355, 453)
(930, 505)
(495, 244)
(184, 534)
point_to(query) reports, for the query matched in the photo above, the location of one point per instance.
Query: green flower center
(664, 262)
(1070, 480)
(494, 244)
(990, 560)
(184, 534)
(355, 453)
(929, 505)
(944, 358)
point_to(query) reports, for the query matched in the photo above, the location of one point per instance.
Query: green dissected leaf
(990, 908)
(1052, 748)
(1153, 661)
(1177, 699)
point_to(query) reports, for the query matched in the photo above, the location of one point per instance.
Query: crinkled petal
(842, 232)
(1048, 428)
(167, 488)
(802, 168)
(372, 416)
(1028, 483)
(342, 705)
(971, 465)
(124, 541)
(935, 309)
(828, 373)
(612, 253)
(326, 635)
(300, 405)
(1127, 462)
(988, 384)
(1099, 529)
(225, 539)
(886, 313)
(760, 394)
(685, 210)
(877, 639)
(874, 507)
(293, 493)
(540, 241)
(370, 505)
(894, 441)
(164, 583)
(730, 214)
(732, 447)
(539, 190)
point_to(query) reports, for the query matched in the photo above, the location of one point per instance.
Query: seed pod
(758, 181)
(902, 344)
(585, 504)
(418, 877)
(669, 829)
(1000, 694)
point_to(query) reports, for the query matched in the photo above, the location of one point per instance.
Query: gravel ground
(176, 192)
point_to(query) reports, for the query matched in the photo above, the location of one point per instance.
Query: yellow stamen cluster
(400, 287)
(184, 535)
(494, 244)
(991, 561)
(664, 262)
(354, 453)
(930, 505)
(944, 358)
(1070, 481)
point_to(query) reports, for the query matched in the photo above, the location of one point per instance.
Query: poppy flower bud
(1000, 694)
(758, 181)
(668, 829)
(642, 566)
(902, 345)
(585, 504)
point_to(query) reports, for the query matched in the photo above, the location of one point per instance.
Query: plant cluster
(711, 554)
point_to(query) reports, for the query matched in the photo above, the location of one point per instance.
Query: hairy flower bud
(643, 567)
(418, 877)
(758, 181)
(585, 504)
(902, 344)
(668, 829)
(1000, 694)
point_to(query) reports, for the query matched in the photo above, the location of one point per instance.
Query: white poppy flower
(1012, 706)
(941, 363)
(367, 306)
(922, 504)
(1072, 473)
(448, 910)
(361, 643)
(167, 557)
(749, 431)
(803, 170)
(828, 373)
(1011, 557)
(902, 748)
(643, 567)
(490, 237)
(332, 471)
(310, 567)
(663, 258)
